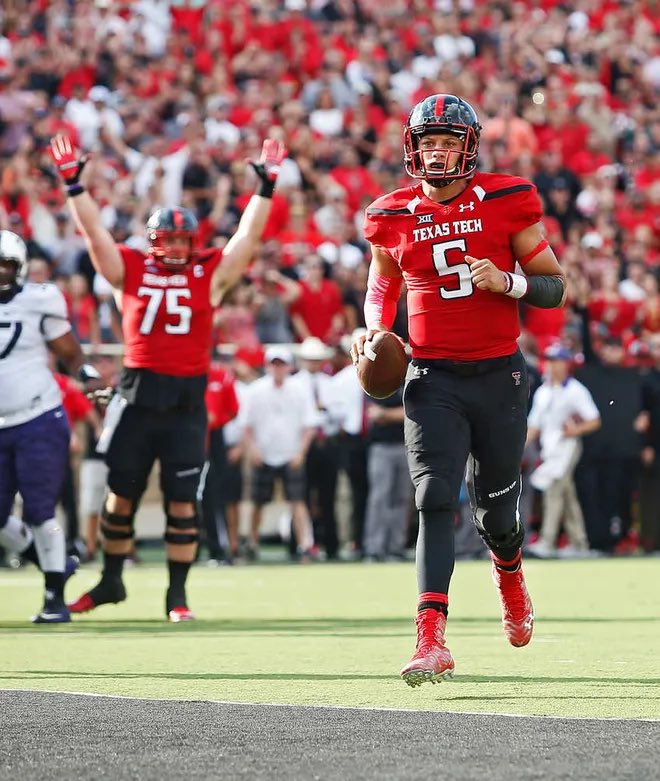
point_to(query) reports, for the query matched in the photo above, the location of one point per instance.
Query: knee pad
(434, 493)
(129, 485)
(186, 530)
(506, 544)
(117, 527)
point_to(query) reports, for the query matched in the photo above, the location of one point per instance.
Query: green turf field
(337, 635)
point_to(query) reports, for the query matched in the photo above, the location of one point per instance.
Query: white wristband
(518, 287)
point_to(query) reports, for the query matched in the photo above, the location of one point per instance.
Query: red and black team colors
(456, 238)
(167, 299)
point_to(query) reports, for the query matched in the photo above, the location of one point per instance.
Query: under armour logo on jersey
(516, 377)
(424, 219)
(198, 271)
(465, 207)
(419, 370)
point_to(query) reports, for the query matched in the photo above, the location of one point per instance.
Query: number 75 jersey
(166, 315)
(448, 317)
(33, 317)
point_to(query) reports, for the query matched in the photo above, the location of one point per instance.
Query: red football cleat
(177, 614)
(432, 660)
(107, 591)
(82, 605)
(517, 609)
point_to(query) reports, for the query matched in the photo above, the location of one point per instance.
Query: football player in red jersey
(168, 295)
(455, 237)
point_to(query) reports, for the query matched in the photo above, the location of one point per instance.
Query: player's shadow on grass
(522, 680)
(348, 627)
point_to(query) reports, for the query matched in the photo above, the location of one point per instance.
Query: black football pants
(458, 414)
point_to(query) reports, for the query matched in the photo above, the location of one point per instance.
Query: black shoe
(54, 611)
(107, 591)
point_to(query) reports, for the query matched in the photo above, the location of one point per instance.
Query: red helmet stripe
(178, 218)
(439, 106)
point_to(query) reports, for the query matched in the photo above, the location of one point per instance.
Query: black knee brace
(434, 493)
(188, 528)
(504, 546)
(126, 532)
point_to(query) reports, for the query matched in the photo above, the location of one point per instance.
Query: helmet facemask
(165, 253)
(463, 159)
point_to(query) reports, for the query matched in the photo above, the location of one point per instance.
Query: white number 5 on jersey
(460, 270)
(173, 307)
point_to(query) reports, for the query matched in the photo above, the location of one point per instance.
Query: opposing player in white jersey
(34, 433)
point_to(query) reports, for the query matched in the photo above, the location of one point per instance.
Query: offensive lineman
(168, 295)
(34, 433)
(454, 237)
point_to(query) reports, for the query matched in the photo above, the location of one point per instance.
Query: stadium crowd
(171, 98)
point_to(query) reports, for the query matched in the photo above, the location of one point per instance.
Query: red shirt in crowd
(318, 308)
(221, 398)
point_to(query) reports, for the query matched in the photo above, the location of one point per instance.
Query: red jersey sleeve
(524, 209)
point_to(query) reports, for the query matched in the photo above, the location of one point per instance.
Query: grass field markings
(415, 711)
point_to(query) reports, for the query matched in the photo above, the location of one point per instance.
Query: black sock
(435, 551)
(55, 584)
(113, 564)
(176, 593)
(30, 554)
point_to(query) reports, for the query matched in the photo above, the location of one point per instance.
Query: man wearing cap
(563, 410)
(322, 465)
(279, 426)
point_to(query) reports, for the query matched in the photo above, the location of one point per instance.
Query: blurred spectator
(648, 424)
(222, 407)
(390, 487)
(279, 426)
(562, 412)
(318, 309)
(322, 462)
(609, 470)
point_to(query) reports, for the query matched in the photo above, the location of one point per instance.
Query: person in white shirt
(279, 425)
(322, 464)
(562, 412)
(349, 408)
(34, 432)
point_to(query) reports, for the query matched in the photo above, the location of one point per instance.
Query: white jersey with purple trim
(37, 314)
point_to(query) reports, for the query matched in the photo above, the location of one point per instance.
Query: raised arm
(240, 248)
(100, 244)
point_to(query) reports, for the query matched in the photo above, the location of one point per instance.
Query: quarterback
(468, 246)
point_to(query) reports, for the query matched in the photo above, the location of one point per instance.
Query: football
(382, 368)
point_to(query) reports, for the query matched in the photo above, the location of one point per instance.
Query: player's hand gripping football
(68, 160)
(485, 275)
(267, 167)
(357, 347)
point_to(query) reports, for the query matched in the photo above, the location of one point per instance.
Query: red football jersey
(166, 315)
(448, 317)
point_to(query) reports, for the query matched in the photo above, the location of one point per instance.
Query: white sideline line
(330, 707)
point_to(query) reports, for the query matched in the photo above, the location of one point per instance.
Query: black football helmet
(165, 225)
(442, 114)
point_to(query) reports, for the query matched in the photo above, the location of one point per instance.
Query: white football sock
(50, 543)
(15, 535)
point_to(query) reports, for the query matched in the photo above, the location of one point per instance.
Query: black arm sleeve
(545, 291)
